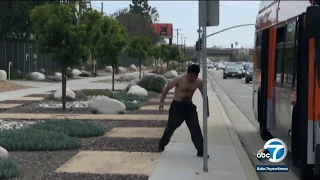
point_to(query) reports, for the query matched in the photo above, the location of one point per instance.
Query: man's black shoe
(201, 154)
(160, 148)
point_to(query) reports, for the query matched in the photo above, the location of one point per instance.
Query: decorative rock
(137, 90)
(3, 75)
(143, 67)
(74, 104)
(133, 67)
(171, 74)
(69, 94)
(3, 153)
(132, 83)
(37, 76)
(109, 68)
(105, 105)
(129, 76)
(69, 69)
(42, 70)
(76, 72)
(10, 124)
(83, 72)
(122, 70)
(57, 76)
(82, 68)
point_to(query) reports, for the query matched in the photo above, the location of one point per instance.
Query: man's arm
(169, 86)
(201, 90)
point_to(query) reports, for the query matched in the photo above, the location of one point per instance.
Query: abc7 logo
(263, 155)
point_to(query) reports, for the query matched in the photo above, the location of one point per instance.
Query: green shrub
(153, 83)
(8, 169)
(96, 92)
(69, 74)
(16, 74)
(131, 106)
(70, 127)
(31, 139)
(123, 96)
(84, 75)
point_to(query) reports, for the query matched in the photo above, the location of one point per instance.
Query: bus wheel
(264, 133)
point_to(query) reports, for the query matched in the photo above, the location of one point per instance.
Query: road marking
(244, 85)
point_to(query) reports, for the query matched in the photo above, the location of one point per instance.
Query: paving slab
(170, 96)
(111, 162)
(37, 116)
(158, 100)
(154, 107)
(27, 99)
(135, 132)
(6, 106)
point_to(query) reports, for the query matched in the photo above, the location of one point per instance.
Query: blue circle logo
(277, 150)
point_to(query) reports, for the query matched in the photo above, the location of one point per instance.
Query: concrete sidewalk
(228, 159)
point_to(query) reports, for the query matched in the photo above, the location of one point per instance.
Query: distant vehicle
(210, 66)
(246, 66)
(221, 66)
(248, 74)
(242, 70)
(232, 71)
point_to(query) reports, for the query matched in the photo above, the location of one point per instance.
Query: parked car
(249, 73)
(210, 66)
(232, 71)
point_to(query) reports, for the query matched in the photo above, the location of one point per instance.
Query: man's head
(193, 72)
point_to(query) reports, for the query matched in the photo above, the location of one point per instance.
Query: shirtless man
(182, 108)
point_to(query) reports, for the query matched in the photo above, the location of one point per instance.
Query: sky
(184, 15)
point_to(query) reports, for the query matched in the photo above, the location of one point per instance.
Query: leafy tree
(59, 34)
(140, 48)
(113, 42)
(165, 53)
(136, 24)
(150, 14)
(93, 20)
(156, 53)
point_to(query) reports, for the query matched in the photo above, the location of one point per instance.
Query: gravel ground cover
(6, 86)
(124, 144)
(40, 165)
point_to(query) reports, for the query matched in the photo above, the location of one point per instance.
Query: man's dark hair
(194, 68)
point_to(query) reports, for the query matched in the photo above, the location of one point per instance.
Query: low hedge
(32, 139)
(8, 169)
(153, 83)
(70, 127)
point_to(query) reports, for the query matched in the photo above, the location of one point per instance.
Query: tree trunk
(167, 65)
(113, 71)
(139, 68)
(64, 86)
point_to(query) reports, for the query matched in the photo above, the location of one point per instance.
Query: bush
(32, 139)
(153, 83)
(16, 74)
(70, 127)
(69, 74)
(123, 96)
(84, 75)
(8, 169)
(131, 106)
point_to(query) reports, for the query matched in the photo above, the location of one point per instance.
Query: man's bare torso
(184, 90)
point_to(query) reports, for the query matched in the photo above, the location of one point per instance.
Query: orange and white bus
(286, 80)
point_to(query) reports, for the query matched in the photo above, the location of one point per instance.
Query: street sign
(212, 13)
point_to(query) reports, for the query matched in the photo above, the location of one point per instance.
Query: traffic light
(199, 45)
(231, 45)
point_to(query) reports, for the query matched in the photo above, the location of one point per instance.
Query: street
(236, 97)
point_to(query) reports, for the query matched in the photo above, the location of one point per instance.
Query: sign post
(208, 16)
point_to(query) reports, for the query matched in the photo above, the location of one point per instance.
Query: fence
(24, 56)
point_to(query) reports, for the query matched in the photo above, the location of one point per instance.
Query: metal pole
(205, 97)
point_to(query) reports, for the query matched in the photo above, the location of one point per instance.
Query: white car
(221, 66)
(210, 66)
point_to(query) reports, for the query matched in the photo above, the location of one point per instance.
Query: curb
(243, 156)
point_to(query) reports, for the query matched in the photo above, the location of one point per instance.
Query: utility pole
(177, 35)
(102, 7)
(184, 44)
(181, 43)
(198, 55)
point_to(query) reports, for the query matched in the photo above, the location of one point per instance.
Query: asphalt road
(240, 112)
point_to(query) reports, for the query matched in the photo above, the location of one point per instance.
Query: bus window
(288, 65)
(259, 58)
(258, 50)
(279, 55)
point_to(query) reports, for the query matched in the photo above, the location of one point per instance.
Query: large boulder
(105, 105)
(75, 72)
(109, 68)
(3, 75)
(57, 76)
(3, 153)
(37, 76)
(122, 70)
(133, 67)
(171, 74)
(137, 90)
(129, 76)
(132, 83)
(69, 94)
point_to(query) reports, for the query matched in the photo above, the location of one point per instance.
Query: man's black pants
(179, 112)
